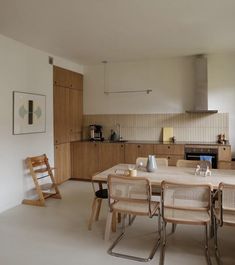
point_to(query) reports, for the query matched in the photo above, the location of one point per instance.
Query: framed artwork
(29, 113)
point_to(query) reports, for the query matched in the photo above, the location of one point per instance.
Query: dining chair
(161, 163)
(44, 180)
(224, 212)
(101, 194)
(185, 204)
(131, 196)
(192, 163)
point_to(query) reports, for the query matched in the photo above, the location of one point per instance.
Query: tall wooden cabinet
(61, 114)
(68, 111)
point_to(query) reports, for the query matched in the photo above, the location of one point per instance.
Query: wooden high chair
(39, 169)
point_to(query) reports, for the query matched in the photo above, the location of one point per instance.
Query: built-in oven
(195, 153)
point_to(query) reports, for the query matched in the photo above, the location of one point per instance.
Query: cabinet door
(84, 160)
(75, 116)
(61, 114)
(62, 77)
(144, 150)
(224, 153)
(131, 153)
(62, 162)
(76, 80)
(110, 154)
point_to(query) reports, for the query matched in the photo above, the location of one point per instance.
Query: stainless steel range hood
(201, 86)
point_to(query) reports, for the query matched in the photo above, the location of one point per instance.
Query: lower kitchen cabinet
(110, 154)
(62, 162)
(132, 151)
(84, 160)
(172, 152)
(88, 158)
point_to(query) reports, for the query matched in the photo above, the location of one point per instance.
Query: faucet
(119, 131)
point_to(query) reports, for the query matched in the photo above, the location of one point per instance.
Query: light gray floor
(57, 235)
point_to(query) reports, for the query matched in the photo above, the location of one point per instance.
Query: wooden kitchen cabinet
(65, 78)
(68, 112)
(110, 154)
(61, 115)
(61, 77)
(172, 152)
(76, 81)
(84, 160)
(224, 157)
(224, 153)
(75, 114)
(62, 162)
(132, 151)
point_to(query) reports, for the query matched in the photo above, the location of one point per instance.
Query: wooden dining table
(170, 174)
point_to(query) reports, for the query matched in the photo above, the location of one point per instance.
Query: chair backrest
(37, 161)
(193, 163)
(186, 196)
(161, 162)
(226, 199)
(129, 190)
(39, 164)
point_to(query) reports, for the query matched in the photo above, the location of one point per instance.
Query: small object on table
(202, 170)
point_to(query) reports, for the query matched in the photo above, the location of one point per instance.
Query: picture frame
(29, 113)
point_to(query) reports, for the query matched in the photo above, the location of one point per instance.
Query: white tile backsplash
(186, 126)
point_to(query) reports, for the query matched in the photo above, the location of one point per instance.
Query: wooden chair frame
(39, 168)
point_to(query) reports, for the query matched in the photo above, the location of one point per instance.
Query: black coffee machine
(96, 133)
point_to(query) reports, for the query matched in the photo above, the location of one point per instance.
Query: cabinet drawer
(172, 159)
(171, 149)
(224, 153)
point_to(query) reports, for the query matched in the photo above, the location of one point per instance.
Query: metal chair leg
(217, 254)
(173, 228)
(207, 247)
(163, 244)
(120, 255)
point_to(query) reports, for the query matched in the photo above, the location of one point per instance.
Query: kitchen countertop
(160, 142)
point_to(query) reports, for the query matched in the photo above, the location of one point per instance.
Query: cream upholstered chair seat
(135, 208)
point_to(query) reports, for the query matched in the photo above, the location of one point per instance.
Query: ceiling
(90, 31)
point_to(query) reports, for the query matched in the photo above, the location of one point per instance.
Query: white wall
(22, 69)
(171, 80)
(221, 82)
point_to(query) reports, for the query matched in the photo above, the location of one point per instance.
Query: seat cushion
(103, 194)
(186, 216)
(135, 207)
